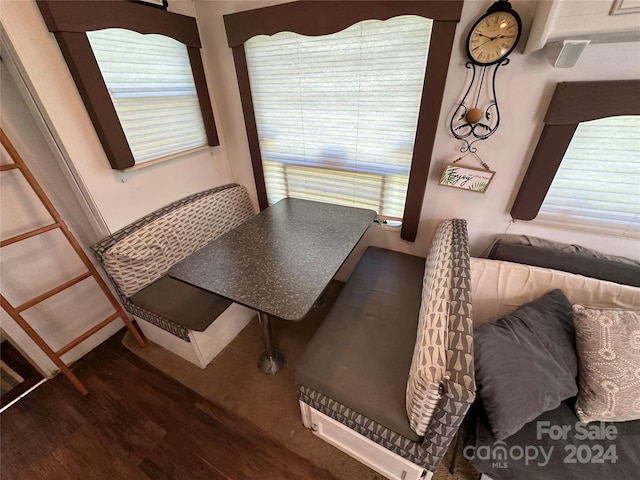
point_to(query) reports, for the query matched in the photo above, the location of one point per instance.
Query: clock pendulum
(491, 40)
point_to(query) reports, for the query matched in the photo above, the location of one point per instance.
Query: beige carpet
(269, 402)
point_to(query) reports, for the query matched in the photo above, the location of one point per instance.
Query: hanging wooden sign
(466, 178)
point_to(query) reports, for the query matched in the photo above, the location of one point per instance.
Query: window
(578, 112)
(598, 182)
(129, 81)
(336, 114)
(151, 86)
(322, 141)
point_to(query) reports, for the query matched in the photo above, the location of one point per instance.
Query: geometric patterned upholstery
(147, 254)
(441, 386)
(424, 454)
(142, 252)
(441, 383)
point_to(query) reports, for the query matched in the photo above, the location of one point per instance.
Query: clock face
(493, 37)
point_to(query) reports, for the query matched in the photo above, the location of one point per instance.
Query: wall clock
(490, 41)
(494, 35)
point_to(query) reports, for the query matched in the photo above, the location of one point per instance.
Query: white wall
(525, 88)
(31, 267)
(524, 91)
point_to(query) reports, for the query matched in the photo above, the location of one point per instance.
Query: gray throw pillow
(526, 363)
(608, 345)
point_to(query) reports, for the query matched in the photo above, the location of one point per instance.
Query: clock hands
(490, 39)
(493, 38)
(482, 45)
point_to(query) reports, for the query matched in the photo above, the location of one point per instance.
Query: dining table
(279, 262)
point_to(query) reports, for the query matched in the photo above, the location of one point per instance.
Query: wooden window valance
(326, 17)
(572, 103)
(70, 20)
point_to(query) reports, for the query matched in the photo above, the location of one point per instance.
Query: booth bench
(388, 376)
(190, 322)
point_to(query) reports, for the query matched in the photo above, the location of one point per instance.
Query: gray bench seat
(381, 302)
(388, 376)
(183, 304)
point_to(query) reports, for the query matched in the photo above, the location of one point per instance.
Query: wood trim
(575, 102)
(572, 103)
(242, 74)
(87, 15)
(435, 79)
(69, 20)
(84, 69)
(545, 162)
(204, 100)
(329, 16)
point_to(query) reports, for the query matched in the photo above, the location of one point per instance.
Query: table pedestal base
(272, 364)
(272, 360)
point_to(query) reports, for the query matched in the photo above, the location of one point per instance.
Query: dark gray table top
(280, 261)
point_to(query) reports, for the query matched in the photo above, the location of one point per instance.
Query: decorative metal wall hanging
(491, 40)
(477, 116)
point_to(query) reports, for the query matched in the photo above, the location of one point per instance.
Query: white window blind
(598, 182)
(337, 114)
(151, 85)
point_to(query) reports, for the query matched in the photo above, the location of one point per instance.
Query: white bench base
(204, 346)
(378, 458)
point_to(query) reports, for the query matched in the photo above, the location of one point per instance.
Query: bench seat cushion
(145, 250)
(377, 311)
(562, 452)
(441, 384)
(580, 264)
(500, 287)
(184, 304)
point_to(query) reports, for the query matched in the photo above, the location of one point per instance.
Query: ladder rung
(32, 233)
(52, 292)
(59, 223)
(87, 334)
(9, 166)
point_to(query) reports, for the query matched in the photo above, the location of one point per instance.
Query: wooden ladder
(16, 312)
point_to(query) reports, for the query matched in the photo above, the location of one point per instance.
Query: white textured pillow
(608, 346)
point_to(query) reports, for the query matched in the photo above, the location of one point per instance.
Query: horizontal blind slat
(337, 114)
(598, 182)
(151, 84)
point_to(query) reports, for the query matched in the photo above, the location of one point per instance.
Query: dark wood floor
(135, 424)
(14, 359)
